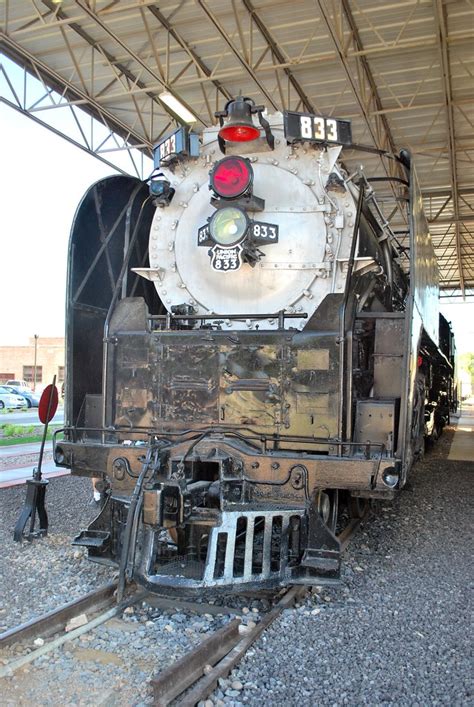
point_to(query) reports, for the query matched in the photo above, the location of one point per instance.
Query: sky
(42, 180)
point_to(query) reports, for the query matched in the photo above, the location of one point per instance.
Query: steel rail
(223, 650)
(199, 670)
(117, 608)
(56, 619)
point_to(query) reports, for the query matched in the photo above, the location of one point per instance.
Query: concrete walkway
(18, 460)
(20, 449)
(14, 477)
(462, 447)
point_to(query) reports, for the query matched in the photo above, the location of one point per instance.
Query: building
(36, 363)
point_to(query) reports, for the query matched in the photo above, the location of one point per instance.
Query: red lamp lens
(231, 177)
(239, 133)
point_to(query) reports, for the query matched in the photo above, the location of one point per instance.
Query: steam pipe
(345, 387)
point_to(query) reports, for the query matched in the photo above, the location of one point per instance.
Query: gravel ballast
(399, 629)
(41, 575)
(395, 632)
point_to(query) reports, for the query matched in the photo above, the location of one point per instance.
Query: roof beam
(377, 125)
(278, 54)
(440, 20)
(64, 87)
(456, 220)
(358, 91)
(217, 25)
(368, 73)
(191, 53)
(428, 193)
(136, 58)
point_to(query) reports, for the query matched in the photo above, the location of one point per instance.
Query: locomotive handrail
(367, 447)
(278, 315)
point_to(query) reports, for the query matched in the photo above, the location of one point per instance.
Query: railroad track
(188, 680)
(195, 676)
(100, 603)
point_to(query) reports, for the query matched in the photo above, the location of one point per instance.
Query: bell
(239, 127)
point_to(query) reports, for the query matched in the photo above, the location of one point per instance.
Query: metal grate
(250, 546)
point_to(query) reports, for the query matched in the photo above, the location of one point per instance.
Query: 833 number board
(300, 127)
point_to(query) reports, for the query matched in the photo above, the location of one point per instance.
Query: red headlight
(231, 177)
(239, 133)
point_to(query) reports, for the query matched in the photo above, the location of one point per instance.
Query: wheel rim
(358, 506)
(328, 504)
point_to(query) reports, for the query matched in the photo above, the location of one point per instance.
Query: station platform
(17, 462)
(462, 447)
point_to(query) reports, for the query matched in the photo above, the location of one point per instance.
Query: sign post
(36, 487)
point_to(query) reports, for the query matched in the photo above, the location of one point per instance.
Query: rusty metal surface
(167, 380)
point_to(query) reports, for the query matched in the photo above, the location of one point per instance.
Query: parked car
(19, 384)
(32, 399)
(11, 400)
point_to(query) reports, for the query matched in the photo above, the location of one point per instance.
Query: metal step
(98, 539)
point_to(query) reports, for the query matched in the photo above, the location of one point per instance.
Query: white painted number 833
(315, 128)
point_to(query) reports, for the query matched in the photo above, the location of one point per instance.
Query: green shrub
(10, 430)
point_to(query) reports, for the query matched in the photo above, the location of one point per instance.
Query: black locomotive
(251, 353)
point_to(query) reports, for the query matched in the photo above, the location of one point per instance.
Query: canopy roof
(402, 71)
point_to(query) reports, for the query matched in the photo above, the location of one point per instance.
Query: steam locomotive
(252, 354)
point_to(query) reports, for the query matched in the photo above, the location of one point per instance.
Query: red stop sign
(49, 391)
